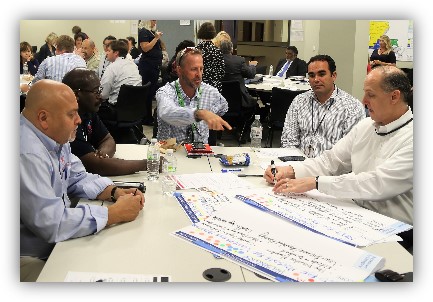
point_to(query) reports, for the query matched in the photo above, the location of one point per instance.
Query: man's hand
(101, 154)
(299, 185)
(282, 172)
(126, 208)
(121, 192)
(214, 122)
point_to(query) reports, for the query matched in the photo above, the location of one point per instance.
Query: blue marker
(232, 170)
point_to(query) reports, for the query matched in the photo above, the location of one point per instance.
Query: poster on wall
(399, 31)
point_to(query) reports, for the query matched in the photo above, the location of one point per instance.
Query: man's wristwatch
(113, 191)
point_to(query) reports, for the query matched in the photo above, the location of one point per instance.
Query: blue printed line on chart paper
(265, 209)
(190, 213)
(226, 254)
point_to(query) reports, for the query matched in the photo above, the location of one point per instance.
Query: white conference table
(270, 82)
(145, 245)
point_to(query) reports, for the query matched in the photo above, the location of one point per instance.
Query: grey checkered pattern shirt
(339, 113)
(173, 120)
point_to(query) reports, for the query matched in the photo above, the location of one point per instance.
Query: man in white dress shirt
(373, 164)
(120, 71)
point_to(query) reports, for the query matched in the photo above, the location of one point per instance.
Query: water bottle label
(256, 132)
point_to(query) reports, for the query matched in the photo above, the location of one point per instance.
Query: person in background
(103, 62)
(79, 38)
(319, 118)
(49, 48)
(94, 145)
(50, 175)
(128, 55)
(213, 60)
(188, 108)
(56, 67)
(291, 65)
(26, 56)
(384, 55)
(171, 74)
(165, 58)
(133, 51)
(120, 71)
(373, 163)
(236, 70)
(77, 30)
(150, 61)
(221, 36)
(89, 54)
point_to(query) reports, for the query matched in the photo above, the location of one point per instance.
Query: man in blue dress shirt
(50, 174)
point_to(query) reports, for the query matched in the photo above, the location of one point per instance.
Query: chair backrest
(261, 69)
(231, 91)
(280, 103)
(131, 103)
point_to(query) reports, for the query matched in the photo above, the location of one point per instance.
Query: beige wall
(345, 40)
(35, 31)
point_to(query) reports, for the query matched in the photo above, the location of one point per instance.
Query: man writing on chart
(373, 164)
(188, 108)
(50, 174)
(94, 145)
(318, 118)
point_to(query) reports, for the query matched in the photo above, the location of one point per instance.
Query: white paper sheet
(339, 219)
(108, 277)
(278, 249)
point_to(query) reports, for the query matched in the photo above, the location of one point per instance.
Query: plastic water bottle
(170, 162)
(168, 168)
(153, 160)
(271, 71)
(25, 71)
(256, 134)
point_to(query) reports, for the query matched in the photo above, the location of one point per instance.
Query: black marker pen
(273, 170)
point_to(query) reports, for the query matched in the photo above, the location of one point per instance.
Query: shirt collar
(397, 123)
(49, 143)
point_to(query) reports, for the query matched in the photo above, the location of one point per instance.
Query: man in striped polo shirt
(320, 117)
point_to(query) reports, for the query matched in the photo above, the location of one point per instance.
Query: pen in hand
(273, 170)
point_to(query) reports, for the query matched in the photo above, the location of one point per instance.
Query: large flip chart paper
(341, 220)
(277, 249)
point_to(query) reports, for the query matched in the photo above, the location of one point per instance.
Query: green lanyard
(181, 101)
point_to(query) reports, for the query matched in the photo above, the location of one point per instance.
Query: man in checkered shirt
(188, 108)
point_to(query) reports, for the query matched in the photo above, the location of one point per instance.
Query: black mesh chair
(235, 116)
(280, 103)
(130, 110)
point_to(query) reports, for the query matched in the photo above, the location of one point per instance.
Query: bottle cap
(154, 140)
(257, 116)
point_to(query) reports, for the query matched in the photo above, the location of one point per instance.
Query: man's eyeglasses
(184, 51)
(95, 92)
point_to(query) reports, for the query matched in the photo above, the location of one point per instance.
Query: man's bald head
(52, 108)
(88, 48)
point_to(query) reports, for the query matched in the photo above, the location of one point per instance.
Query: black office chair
(280, 103)
(261, 69)
(236, 116)
(130, 110)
